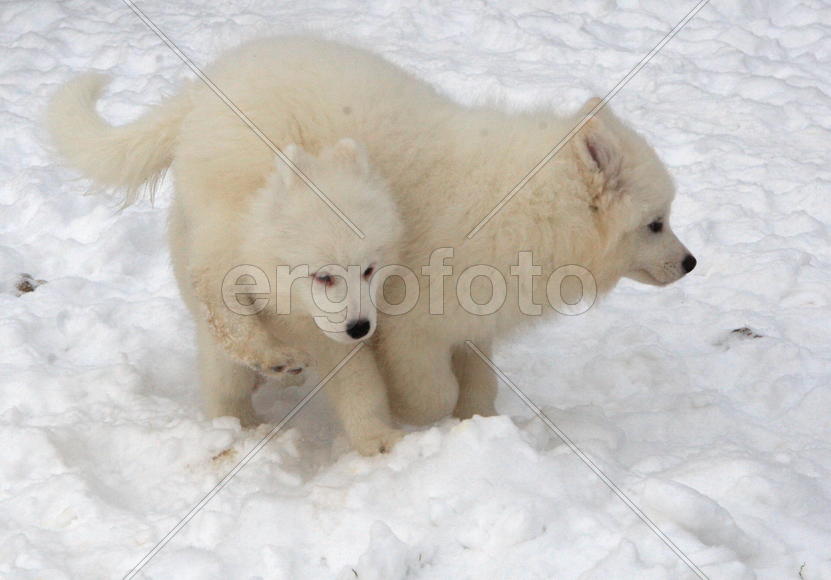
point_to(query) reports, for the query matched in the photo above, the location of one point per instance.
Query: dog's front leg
(247, 339)
(359, 396)
(423, 388)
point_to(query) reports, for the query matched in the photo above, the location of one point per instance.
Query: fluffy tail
(124, 157)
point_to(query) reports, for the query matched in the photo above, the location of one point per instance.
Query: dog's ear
(598, 148)
(351, 154)
(591, 105)
(298, 157)
(600, 154)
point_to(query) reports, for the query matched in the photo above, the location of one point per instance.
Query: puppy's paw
(284, 362)
(382, 442)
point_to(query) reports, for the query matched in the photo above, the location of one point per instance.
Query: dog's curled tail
(124, 157)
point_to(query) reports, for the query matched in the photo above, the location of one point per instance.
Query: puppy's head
(629, 193)
(331, 265)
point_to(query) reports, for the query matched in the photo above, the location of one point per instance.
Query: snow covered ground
(721, 435)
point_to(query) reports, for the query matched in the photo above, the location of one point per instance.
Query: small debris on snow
(25, 284)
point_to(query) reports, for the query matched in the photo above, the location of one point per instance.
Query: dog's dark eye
(656, 226)
(324, 279)
(368, 272)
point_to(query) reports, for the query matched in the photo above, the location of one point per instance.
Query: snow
(720, 435)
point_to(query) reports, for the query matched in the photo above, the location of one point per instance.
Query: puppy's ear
(589, 105)
(604, 112)
(598, 148)
(351, 154)
(298, 157)
(600, 154)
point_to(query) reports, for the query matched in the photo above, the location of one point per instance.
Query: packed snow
(706, 402)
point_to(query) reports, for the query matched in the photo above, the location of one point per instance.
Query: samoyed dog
(275, 280)
(601, 204)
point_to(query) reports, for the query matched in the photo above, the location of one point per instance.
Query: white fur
(447, 166)
(283, 224)
(126, 157)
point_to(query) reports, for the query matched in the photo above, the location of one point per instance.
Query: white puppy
(274, 280)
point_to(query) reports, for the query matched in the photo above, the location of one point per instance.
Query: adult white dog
(602, 203)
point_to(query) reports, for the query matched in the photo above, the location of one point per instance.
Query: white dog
(264, 270)
(602, 203)
(309, 282)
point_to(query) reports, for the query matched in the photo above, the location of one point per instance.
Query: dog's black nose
(689, 263)
(358, 329)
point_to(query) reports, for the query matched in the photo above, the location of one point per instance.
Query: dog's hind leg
(227, 384)
(477, 383)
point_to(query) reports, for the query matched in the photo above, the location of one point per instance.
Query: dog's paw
(378, 443)
(284, 362)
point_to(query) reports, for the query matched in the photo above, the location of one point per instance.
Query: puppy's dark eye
(656, 226)
(324, 279)
(368, 272)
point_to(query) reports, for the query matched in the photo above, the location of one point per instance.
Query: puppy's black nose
(689, 263)
(358, 329)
